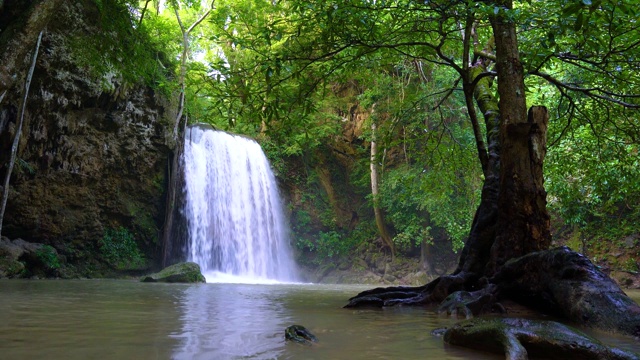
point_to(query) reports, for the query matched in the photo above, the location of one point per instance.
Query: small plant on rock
(48, 256)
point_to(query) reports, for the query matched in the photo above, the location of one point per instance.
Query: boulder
(19, 258)
(299, 334)
(185, 272)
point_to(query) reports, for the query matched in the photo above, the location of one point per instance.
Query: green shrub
(120, 250)
(48, 257)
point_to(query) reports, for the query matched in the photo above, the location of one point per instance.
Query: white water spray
(237, 230)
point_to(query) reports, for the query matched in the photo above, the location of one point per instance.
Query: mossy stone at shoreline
(185, 272)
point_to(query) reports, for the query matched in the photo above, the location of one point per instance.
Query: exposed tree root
(520, 338)
(559, 282)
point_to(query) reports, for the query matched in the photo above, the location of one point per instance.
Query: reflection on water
(222, 321)
(130, 320)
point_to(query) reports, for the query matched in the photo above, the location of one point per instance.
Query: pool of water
(115, 319)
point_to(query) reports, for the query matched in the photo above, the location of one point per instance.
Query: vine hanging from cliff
(16, 140)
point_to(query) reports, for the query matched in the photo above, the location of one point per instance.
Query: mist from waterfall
(236, 227)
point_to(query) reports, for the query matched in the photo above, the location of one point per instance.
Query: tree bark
(172, 176)
(522, 207)
(475, 253)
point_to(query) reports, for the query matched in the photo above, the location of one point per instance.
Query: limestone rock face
(185, 272)
(93, 151)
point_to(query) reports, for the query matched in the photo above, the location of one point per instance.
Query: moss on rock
(185, 272)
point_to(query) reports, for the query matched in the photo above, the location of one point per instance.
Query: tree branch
(587, 91)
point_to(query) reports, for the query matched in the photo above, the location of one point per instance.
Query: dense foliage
(120, 250)
(300, 75)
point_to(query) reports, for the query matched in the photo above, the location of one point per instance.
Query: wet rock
(325, 270)
(186, 272)
(417, 278)
(10, 268)
(566, 283)
(361, 264)
(380, 263)
(299, 334)
(19, 258)
(389, 278)
(631, 241)
(345, 265)
(388, 269)
(521, 338)
(626, 279)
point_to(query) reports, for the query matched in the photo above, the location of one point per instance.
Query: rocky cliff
(93, 152)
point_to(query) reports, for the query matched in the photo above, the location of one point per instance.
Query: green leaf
(579, 22)
(571, 9)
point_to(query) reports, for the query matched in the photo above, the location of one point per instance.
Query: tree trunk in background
(183, 74)
(174, 168)
(375, 191)
(426, 257)
(183, 63)
(173, 171)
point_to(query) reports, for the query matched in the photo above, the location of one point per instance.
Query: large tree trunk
(512, 222)
(522, 213)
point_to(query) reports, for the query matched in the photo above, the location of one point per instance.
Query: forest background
(313, 83)
(360, 107)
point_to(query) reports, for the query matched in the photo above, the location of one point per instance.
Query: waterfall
(235, 222)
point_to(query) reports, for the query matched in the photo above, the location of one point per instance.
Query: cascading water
(236, 228)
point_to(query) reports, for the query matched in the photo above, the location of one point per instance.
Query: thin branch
(484, 54)
(448, 93)
(201, 18)
(16, 139)
(144, 11)
(587, 91)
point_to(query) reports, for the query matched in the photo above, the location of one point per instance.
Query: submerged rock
(520, 338)
(185, 272)
(299, 334)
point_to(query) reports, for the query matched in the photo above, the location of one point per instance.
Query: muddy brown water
(117, 319)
